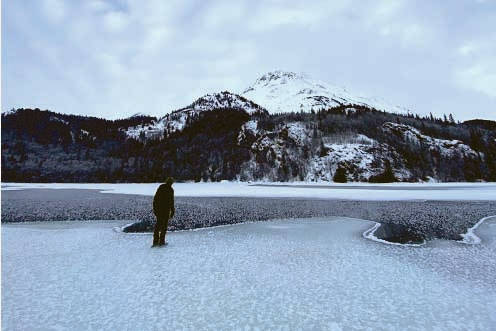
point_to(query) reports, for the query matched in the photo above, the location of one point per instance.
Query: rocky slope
(278, 154)
(448, 148)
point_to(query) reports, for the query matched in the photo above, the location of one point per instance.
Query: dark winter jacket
(163, 202)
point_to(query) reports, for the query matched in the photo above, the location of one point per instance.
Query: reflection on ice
(296, 274)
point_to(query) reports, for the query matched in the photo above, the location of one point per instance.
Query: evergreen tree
(451, 119)
(340, 175)
(322, 149)
(387, 176)
(388, 173)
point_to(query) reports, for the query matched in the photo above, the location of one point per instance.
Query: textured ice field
(290, 275)
(354, 191)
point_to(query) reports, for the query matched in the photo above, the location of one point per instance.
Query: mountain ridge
(231, 144)
(274, 92)
(330, 135)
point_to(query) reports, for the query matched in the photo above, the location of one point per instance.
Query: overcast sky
(115, 58)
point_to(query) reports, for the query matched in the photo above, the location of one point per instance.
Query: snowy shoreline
(319, 190)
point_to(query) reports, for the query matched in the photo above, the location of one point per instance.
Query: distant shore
(430, 219)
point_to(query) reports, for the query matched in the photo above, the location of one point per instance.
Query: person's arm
(173, 210)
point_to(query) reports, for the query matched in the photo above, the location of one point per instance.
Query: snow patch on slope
(148, 131)
(361, 161)
(298, 133)
(249, 128)
(57, 119)
(9, 112)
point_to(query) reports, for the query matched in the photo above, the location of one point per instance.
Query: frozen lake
(353, 191)
(289, 274)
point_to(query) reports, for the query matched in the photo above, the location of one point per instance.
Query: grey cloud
(115, 58)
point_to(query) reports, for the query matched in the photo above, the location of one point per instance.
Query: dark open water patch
(403, 235)
(398, 234)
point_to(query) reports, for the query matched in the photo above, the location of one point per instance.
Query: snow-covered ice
(288, 274)
(322, 190)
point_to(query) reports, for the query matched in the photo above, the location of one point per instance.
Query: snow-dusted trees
(40, 146)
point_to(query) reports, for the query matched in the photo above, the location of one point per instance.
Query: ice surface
(323, 190)
(470, 237)
(291, 274)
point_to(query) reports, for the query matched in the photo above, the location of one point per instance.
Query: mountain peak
(284, 91)
(222, 100)
(280, 74)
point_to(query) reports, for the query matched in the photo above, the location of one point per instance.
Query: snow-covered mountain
(299, 148)
(281, 92)
(274, 92)
(222, 100)
(177, 120)
(235, 136)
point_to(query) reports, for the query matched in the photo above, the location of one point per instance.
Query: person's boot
(155, 240)
(161, 241)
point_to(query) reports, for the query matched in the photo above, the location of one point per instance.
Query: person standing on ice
(163, 208)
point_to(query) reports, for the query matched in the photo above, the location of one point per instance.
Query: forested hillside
(342, 143)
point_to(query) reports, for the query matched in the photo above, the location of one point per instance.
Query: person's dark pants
(160, 230)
